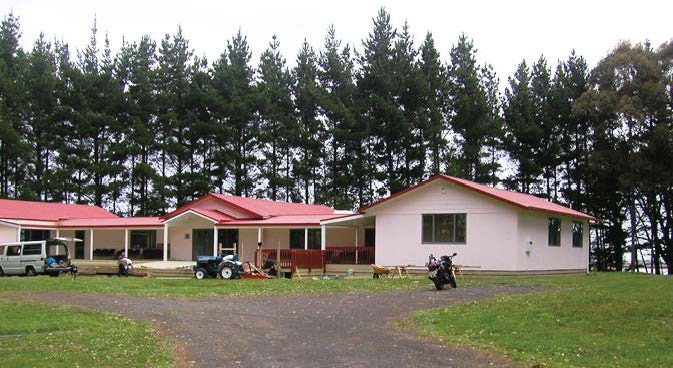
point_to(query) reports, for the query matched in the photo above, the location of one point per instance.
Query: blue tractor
(228, 267)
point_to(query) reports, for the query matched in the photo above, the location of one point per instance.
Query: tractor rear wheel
(226, 272)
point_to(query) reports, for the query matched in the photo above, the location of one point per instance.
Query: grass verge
(33, 335)
(202, 288)
(604, 320)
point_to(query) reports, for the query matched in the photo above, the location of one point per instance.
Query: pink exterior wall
(491, 228)
(247, 239)
(271, 237)
(342, 237)
(181, 247)
(534, 227)
(7, 234)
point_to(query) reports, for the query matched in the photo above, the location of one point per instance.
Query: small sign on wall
(186, 235)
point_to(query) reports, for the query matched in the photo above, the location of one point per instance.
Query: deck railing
(349, 255)
(316, 258)
(300, 258)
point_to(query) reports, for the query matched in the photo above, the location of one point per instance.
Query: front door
(79, 245)
(202, 242)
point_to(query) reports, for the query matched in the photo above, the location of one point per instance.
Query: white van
(31, 258)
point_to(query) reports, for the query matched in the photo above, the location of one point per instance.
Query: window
(143, 239)
(370, 237)
(577, 234)
(444, 228)
(34, 235)
(14, 250)
(32, 249)
(554, 232)
(297, 238)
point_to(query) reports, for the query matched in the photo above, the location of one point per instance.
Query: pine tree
(235, 102)
(409, 85)
(433, 95)
(137, 73)
(306, 91)
(277, 125)
(173, 87)
(40, 80)
(14, 151)
(523, 134)
(382, 120)
(337, 104)
(473, 115)
(547, 158)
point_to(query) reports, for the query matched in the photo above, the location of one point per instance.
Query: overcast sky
(505, 32)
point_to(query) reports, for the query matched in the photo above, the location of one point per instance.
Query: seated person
(270, 265)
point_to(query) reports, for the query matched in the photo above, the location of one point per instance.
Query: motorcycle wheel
(452, 282)
(438, 285)
(226, 273)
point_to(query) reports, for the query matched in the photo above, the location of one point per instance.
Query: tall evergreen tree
(14, 151)
(277, 125)
(523, 135)
(40, 80)
(233, 79)
(433, 95)
(472, 112)
(311, 132)
(173, 86)
(337, 105)
(137, 73)
(384, 122)
(547, 158)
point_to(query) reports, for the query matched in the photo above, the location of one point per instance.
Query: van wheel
(2, 273)
(30, 271)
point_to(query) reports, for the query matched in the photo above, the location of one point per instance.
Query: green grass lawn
(201, 288)
(604, 320)
(33, 335)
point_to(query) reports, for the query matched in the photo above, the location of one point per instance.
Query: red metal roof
(45, 211)
(112, 222)
(214, 215)
(267, 208)
(521, 200)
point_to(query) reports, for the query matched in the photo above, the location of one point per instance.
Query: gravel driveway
(332, 330)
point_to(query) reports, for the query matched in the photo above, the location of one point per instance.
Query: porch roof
(292, 220)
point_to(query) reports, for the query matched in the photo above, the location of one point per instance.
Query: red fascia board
(275, 224)
(108, 226)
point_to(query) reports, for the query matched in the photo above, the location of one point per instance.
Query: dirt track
(333, 330)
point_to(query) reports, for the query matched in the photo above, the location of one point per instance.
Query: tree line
(154, 126)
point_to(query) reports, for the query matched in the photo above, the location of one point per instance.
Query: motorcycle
(441, 271)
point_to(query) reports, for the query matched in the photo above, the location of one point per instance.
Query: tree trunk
(632, 216)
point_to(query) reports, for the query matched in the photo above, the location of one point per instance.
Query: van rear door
(33, 255)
